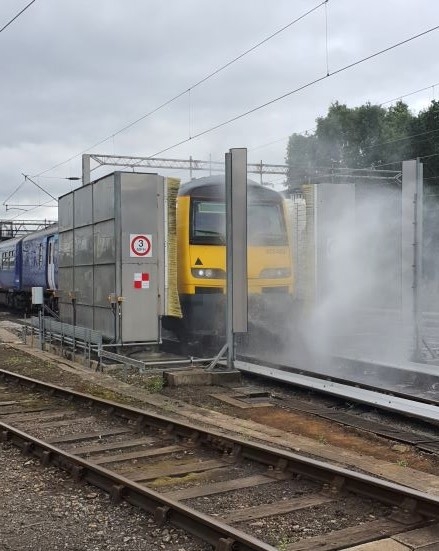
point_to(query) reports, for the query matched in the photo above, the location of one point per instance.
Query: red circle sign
(141, 245)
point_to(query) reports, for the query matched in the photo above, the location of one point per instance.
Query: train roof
(214, 186)
(50, 230)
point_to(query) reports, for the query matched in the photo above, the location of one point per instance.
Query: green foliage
(367, 136)
(155, 384)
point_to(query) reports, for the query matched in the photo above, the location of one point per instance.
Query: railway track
(414, 400)
(233, 494)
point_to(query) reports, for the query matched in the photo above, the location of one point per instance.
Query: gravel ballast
(43, 508)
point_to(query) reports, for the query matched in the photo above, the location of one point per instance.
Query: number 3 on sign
(140, 245)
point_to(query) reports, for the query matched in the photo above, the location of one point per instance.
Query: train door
(51, 282)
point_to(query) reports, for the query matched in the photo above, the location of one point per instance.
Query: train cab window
(265, 222)
(266, 225)
(11, 260)
(208, 223)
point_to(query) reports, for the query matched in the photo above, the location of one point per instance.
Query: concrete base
(68, 354)
(198, 377)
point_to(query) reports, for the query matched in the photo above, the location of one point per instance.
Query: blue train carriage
(40, 265)
(10, 271)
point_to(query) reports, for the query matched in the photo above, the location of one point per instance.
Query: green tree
(425, 142)
(361, 137)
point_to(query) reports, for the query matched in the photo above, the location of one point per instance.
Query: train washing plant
(200, 271)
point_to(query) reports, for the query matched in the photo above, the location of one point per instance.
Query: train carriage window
(40, 255)
(5, 260)
(11, 260)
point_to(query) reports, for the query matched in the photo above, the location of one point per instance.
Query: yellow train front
(202, 258)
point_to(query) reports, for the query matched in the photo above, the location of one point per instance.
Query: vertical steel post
(418, 246)
(230, 341)
(236, 237)
(411, 248)
(85, 169)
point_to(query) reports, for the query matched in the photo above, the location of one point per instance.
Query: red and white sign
(140, 245)
(141, 281)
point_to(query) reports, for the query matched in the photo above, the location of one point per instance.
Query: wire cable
(15, 191)
(304, 132)
(187, 90)
(299, 89)
(410, 94)
(16, 16)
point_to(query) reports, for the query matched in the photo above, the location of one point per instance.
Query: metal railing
(73, 336)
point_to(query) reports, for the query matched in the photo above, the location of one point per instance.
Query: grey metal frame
(50, 330)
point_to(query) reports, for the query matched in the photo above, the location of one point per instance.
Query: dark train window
(208, 223)
(265, 223)
(8, 260)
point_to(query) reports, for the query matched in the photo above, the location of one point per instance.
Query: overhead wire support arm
(179, 164)
(26, 177)
(252, 168)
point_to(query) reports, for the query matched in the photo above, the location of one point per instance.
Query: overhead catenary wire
(310, 130)
(398, 98)
(189, 89)
(16, 16)
(422, 157)
(333, 73)
(298, 89)
(29, 210)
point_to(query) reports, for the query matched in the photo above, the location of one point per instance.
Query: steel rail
(358, 392)
(222, 536)
(319, 379)
(281, 461)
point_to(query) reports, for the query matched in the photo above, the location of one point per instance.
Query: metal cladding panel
(104, 322)
(140, 202)
(65, 284)
(66, 312)
(84, 315)
(65, 212)
(103, 199)
(104, 284)
(105, 242)
(142, 255)
(108, 260)
(334, 211)
(378, 221)
(83, 206)
(66, 248)
(83, 246)
(139, 308)
(83, 278)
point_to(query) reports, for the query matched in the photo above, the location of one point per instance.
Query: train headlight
(274, 273)
(208, 273)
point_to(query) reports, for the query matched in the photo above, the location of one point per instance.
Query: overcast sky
(74, 72)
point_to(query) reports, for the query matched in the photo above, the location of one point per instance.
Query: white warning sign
(140, 245)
